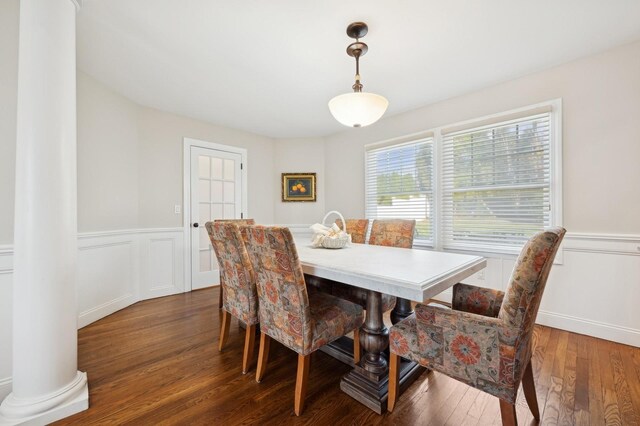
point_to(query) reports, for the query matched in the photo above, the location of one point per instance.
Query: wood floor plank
(610, 402)
(623, 393)
(567, 397)
(156, 362)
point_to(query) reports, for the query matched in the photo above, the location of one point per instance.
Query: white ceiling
(270, 67)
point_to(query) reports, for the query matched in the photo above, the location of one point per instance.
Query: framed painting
(298, 187)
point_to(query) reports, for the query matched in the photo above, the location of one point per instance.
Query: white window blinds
(399, 185)
(496, 184)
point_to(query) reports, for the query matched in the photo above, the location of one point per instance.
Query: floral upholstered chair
(238, 282)
(299, 320)
(393, 233)
(238, 222)
(357, 228)
(485, 340)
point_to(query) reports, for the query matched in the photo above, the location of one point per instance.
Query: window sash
(399, 185)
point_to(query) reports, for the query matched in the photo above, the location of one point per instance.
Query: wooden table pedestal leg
(368, 382)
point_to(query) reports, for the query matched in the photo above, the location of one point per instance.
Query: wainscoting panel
(115, 270)
(161, 263)
(107, 275)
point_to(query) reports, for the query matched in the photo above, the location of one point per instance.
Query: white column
(46, 383)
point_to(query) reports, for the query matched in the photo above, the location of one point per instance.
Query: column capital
(77, 4)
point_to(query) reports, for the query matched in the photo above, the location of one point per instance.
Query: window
(399, 184)
(484, 186)
(496, 184)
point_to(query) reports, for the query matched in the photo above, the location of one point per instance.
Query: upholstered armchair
(357, 228)
(238, 222)
(485, 339)
(302, 321)
(238, 282)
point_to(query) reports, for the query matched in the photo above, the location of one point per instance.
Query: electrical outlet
(480, 275)
(177, 209)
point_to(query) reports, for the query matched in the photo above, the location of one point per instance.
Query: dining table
(408, 274)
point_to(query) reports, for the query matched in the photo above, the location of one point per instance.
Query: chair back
(240, 298)
(528, 280)
(393, 233)
(284, 303)
(357, 228)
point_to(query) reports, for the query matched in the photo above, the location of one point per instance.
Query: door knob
(195, 225)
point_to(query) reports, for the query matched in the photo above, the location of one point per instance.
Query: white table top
(409, 273)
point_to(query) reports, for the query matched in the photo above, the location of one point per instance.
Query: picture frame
(298, 187)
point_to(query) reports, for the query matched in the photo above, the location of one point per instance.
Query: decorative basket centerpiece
(330, 236)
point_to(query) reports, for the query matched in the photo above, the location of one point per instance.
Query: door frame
(186, 194)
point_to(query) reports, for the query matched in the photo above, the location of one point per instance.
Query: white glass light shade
(358, 109)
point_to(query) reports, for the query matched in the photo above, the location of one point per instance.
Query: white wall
(8, 109)
(160, 165)
(107, 158)
(293, 156)
(601, 137)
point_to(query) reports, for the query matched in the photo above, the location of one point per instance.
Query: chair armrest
(475, 349)
(477, 300)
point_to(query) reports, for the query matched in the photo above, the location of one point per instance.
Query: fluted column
(46, 383)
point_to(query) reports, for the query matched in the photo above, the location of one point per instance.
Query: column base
(69, 400)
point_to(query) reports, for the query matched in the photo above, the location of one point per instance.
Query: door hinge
(241, 166)
(241, 215)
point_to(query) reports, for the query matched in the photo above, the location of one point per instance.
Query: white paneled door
(216, 193)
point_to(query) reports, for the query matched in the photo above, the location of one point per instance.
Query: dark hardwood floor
(157, 362)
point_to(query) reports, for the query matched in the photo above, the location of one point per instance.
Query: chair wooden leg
(529, 388)
(508, 414)
(220, 303)
(356, 346)
(394, 378)
(224, 329)
(249, 340)
(263, 355)
(301, 382)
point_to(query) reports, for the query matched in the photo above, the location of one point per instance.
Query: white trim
(98, 234)
(599, 329)
(186, 193)
(616, 244)
(98, 312)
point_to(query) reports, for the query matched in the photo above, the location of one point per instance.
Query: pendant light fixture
(357, 109)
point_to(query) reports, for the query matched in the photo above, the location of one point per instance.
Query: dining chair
(357, 228)
(392, 232)
(238, 222)
(485, 339)
(238, 281)
(302, 321)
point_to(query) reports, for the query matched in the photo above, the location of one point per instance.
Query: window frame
(553, 107)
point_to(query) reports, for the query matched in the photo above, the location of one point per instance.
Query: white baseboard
(616, 333)
(107, 308)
